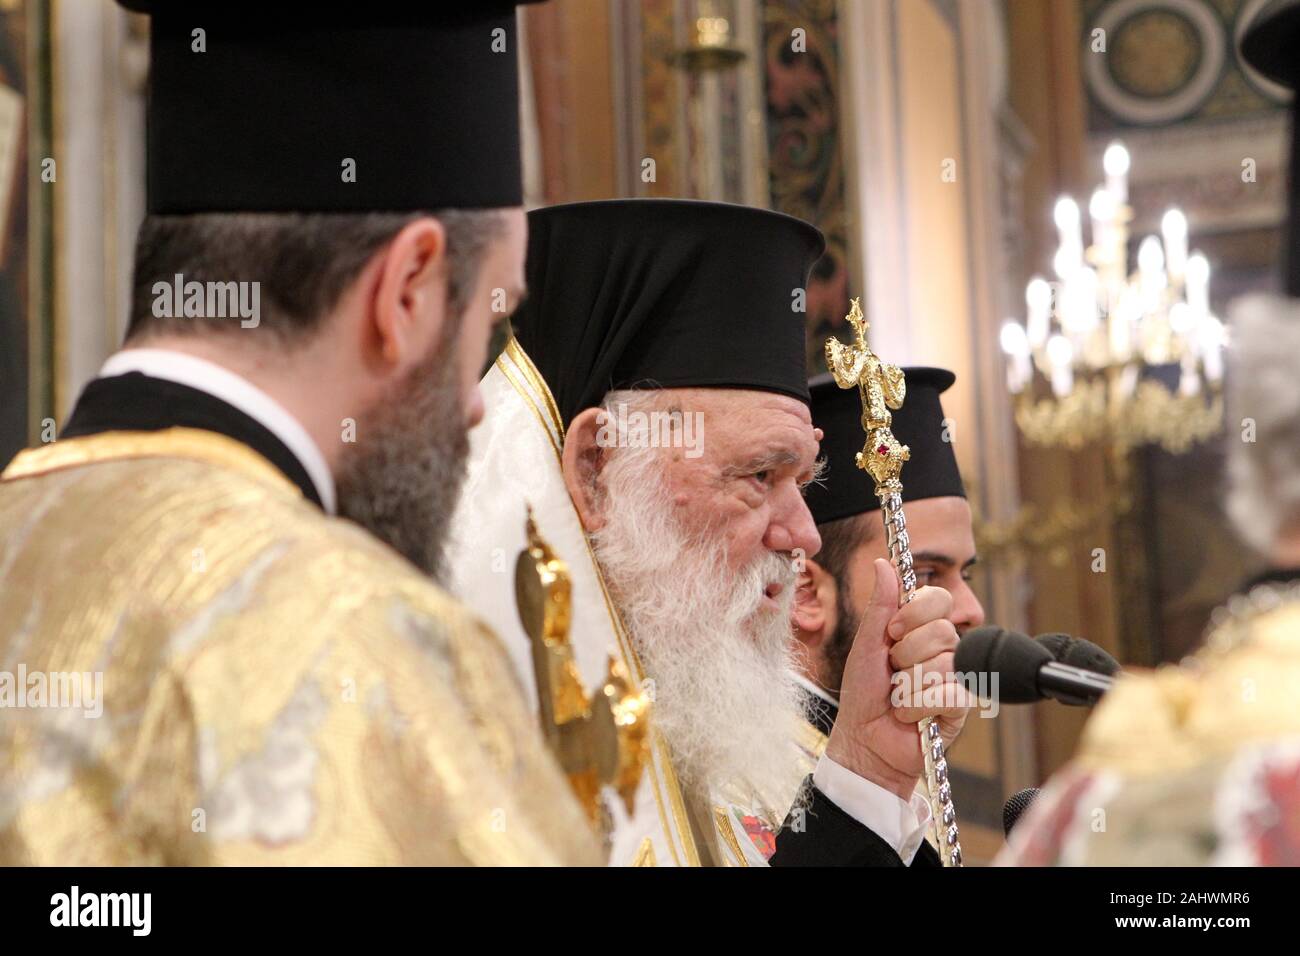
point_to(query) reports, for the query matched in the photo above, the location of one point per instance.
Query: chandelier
(1098, 345)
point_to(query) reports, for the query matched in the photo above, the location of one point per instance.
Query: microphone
(1026, 669)
(1077, 652)
(1016, 804)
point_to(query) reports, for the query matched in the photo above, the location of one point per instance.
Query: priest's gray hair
(1263, 425)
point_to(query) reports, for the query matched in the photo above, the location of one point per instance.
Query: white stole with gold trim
(515, 462)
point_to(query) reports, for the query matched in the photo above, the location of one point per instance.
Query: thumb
(883, 604)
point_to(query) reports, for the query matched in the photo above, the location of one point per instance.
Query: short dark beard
(835, 652)
(841, 540)
(402, 478)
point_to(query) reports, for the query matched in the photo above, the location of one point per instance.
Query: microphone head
(1077, 652)
(1014, 657)
(1056, 644)
(1016, 804)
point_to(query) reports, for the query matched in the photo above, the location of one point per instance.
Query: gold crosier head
(859, 322)
(881, 387)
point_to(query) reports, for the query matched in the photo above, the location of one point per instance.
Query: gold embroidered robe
(277, 686)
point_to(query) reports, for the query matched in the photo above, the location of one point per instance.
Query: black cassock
(139, 402)
(830, 836)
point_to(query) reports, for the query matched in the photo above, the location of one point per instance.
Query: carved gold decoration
(598, 739)
(881, 387)
(1153, 416)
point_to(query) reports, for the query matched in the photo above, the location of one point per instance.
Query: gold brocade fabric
(277, 686)
(1176, 717)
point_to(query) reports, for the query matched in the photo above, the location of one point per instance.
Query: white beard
(722, 664)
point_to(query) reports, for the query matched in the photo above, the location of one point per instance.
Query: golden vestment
(278, 687)
(1188, 765)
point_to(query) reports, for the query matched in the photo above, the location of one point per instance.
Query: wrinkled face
(695, 543)
(744, 487)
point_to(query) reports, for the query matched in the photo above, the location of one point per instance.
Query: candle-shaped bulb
(1066, 262)
(1066, 214)
(1115, 161)
(1038, 296)
(1059, 351)
(1197, 283)
(1151, 258)
(1181, 318)
(1103, 210)
(1014, 340)
(1059, 355)
(1213, 338)
(1173, 227)
(1102, 205)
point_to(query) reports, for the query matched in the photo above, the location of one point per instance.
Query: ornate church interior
(1056, 200)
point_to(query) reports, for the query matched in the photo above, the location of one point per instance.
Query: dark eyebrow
(939, 558)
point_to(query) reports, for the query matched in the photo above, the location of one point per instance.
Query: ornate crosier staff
(882, 387)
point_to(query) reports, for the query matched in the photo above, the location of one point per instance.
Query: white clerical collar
(816, 690)
(234, 390)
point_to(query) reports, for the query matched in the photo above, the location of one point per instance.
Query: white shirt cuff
(901, 824)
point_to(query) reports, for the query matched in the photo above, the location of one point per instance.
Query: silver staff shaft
(937, 785)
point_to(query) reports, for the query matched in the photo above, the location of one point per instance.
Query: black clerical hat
(645, 293)
(931, 472)
(1272, 46)
(294, 107)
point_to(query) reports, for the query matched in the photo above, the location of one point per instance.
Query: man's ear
(410, 300)
(581, 462)
(815, 605)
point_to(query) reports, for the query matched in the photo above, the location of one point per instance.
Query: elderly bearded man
(681, 317)
(282, 687)
(833, 589)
